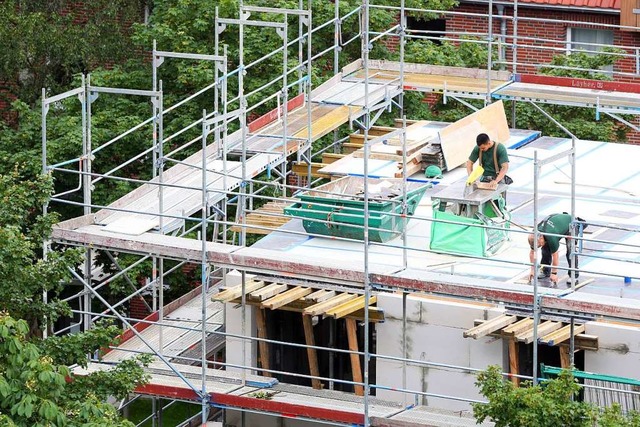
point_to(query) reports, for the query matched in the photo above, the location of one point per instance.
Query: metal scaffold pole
(367, 284)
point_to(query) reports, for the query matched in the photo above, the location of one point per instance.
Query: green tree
(37, 391)
(44, 43)
(551, 403)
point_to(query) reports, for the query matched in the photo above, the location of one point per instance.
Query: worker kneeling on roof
(493, 158)
(557, 226)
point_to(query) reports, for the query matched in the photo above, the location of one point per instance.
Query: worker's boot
(544, 273)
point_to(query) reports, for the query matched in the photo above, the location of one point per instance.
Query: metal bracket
(92, 96)
(220, 27)
(244, 15)
(280, 32)
(159, 60)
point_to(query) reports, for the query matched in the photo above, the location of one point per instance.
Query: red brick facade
(532, 52)
(552, 34)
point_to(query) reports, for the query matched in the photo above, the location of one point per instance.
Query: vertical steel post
(86, 190)
(44, 108)
(367, 284)
(203, 268)
(336, 36)
(573, 254)
(160, 280)
(487, 100)
(285, 102)
(536, 302)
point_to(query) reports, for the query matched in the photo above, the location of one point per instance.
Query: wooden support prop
(489, 326)
(261, 325)
(562, 334)
(311, 352)
(565, 359)
(514, 368)
(320, 308)
(236, 291)
(352, 337)
(286, 297)
(269, 291)
(543, 329)
(328, 158)
(349, 307)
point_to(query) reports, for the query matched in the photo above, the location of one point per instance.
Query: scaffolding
(193, 197)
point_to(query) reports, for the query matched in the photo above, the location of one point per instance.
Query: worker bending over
(493, 159)
(560, 225)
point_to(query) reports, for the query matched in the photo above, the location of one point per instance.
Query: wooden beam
(236, 291)
(518, 327)
(375, 314)
(562, 334)
(349, 147)
(301, 169)
(357, 139)
(263, 346)
(352, 336)
(411, 169)
(328, 158)
(514, 367)
(380, 130)
(286, 297)
(349, 307)
(321, 307)
(489, 326)
(311, 352)
(319, 296)
(543, 329)
(586, 342)
(269, 291)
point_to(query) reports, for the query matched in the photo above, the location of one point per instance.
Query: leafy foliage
(550, 404)
(36, 391)
(24, 274)
(43, 45)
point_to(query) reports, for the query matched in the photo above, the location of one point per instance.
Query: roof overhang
(527, 5)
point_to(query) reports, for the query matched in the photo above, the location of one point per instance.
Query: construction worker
(559, 225)
(494, 160)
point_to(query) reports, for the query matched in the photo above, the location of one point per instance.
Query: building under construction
(375, 294)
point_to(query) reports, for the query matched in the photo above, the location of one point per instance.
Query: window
(435, 28)
(589, 40)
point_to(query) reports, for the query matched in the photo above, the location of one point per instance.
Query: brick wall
(555, 34)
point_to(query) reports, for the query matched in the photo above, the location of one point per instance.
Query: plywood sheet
(458, 139)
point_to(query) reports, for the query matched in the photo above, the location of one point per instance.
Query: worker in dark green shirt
(494, 159)
(561, 226)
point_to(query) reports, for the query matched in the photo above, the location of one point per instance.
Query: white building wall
(619, 350)
(233, 324)
(434, 334)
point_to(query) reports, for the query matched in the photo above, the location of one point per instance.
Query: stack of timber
(431, 153)
(417, 136)
(266, 218)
